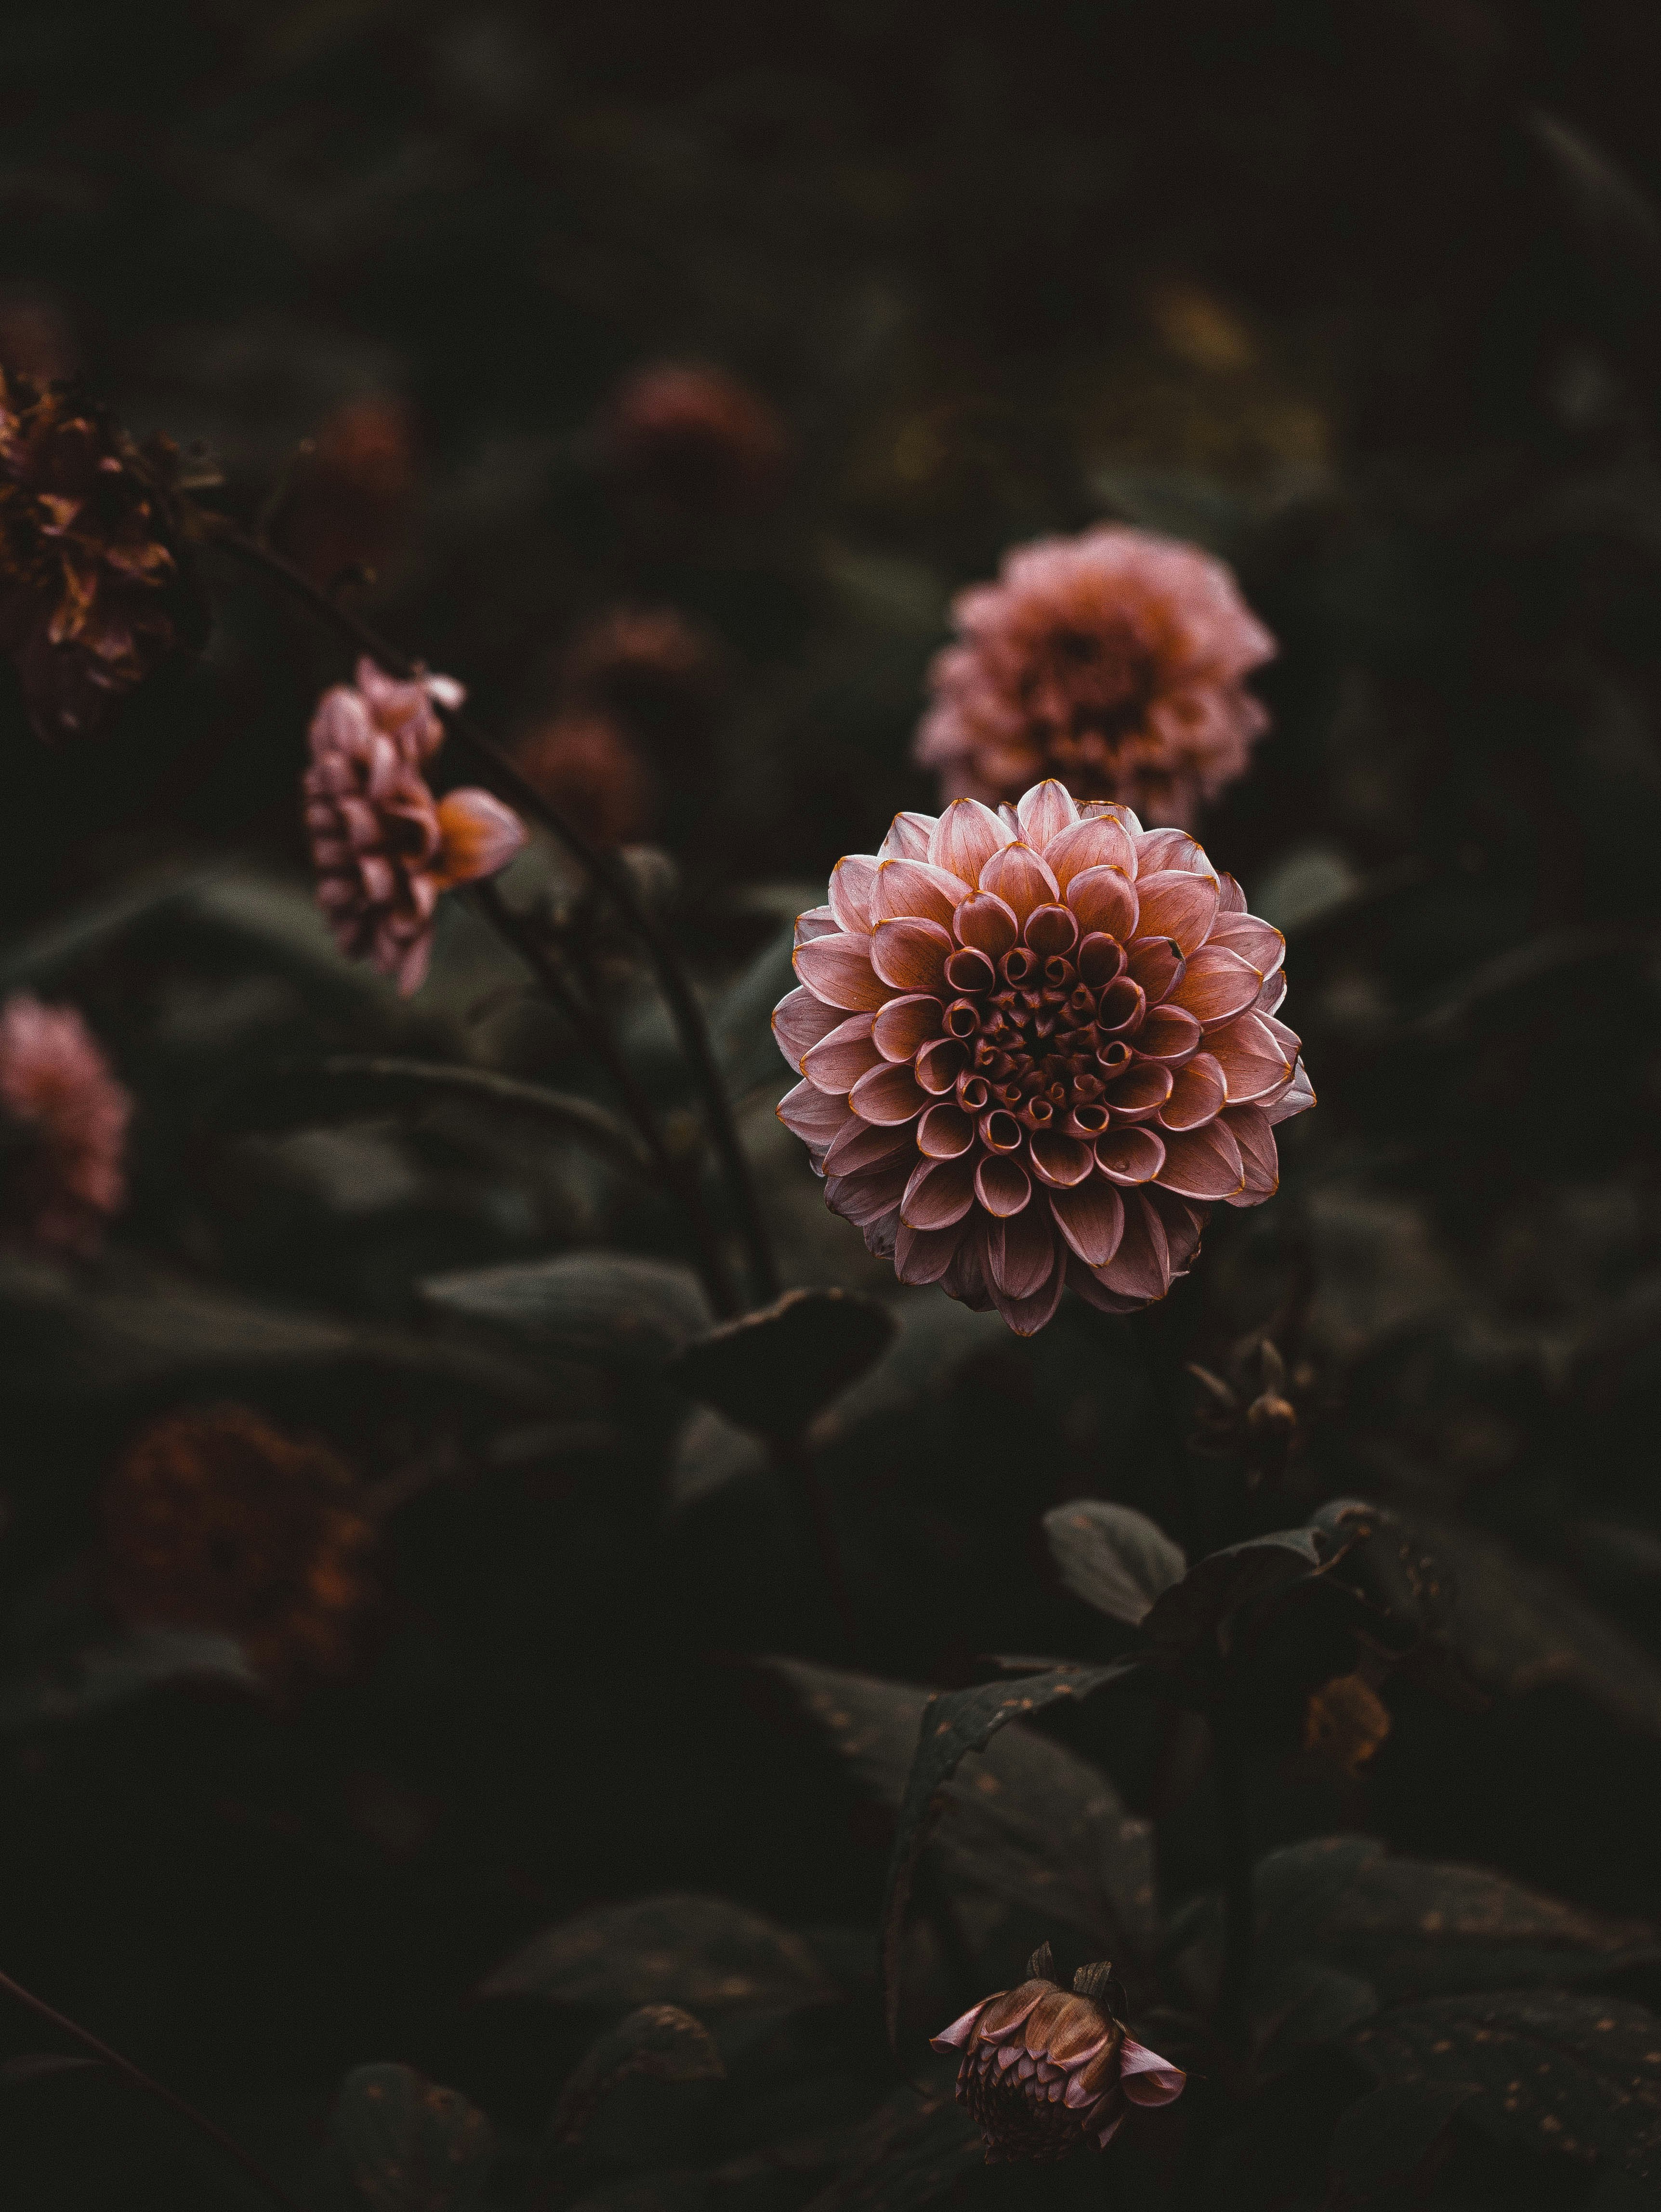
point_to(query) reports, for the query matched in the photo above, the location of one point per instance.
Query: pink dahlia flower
(68, 1118)
(695, 439)
(383, 848)
(1047, 2070)
(1036, 1048)
(1115, 662)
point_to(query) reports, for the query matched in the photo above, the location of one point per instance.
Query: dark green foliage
(774, 1370)
(410, 2145)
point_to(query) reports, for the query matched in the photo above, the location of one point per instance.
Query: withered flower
(1036, 1048)
(65, 1119)
(695, 439)
(1047, 2070)
(217, 1519)
(1115, 662)
(383, 848)
(1345, 1722)
(585, 764)
(1255, 1414)
(94, 593)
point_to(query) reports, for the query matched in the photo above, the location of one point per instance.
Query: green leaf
(1220, 1584)
(1391, 2140)
(604, 1307)
(1113, 1557)
(955, 1721)
(352, 1086)
(774, 1370)
(410, 2145)
(1553, 2070)
(1308, 2006)
(660, 2041)
(914, 2149)
(742, 1022)
(702, 1953)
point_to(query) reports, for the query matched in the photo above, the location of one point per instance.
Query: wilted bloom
(1345, 1722)
(696, 439)
(1035, 1047)
(1255, 1415)
(1047, 2070)
(352, 487)
(383, 848)
(93, 592)
(65, 1128)
(1115, 662)
(586, 765)
(216, 1519)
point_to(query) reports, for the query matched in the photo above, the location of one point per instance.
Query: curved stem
(498, 770)
(141, 2081)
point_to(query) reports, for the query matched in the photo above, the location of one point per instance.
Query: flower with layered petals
(383, 848)
(1036, 1048)
(216, 1519)
(1115, 662)
(695, 439)
(1047, 2070)
(94, 590)
(66, 1118)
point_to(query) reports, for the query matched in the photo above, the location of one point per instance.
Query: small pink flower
(384, 849)
(1036, 1048)
(695, 439)
(1047, 2070)
(69, 1117)
(1115, 662)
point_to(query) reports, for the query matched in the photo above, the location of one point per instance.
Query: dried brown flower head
(1345, 1722)
(94, 593)
(216, 1519)
(695, 439)
(350, 499)
(585, 764)
(1257, 1413)
(65, 1129)
(1047, 2070)
(1115, 662)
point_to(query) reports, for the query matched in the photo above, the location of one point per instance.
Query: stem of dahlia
(1239, 1902)
(676, 1178)
(142, 2081)
(500, 772)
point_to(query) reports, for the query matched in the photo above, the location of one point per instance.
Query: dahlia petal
(1300, 1096)
(911, 956)
(818, 921)
(1273, 990)
(1250, 1060)
(920, 1256)
(852, 881)
(945, 1132)
(1141, 1268)
(1127, 1156)
(1021, 878)
(1254, 940)
(966, 1279)
(812, 1113)
(1254, 1136)
(860, 1144)
(1112, 810)
(1091, 1288)
(906, 888)
(1051, 932)
(1159, 850)
(1101, 843)
(1197, 1095)
(1004, 2013)
(1176, 905)
(866, 1197)
(379, 879)
(1285, 1042)
(1147, 2079)
(1139, 1093)
(1216, 986)
(1230, 898)
(1104, 898)
(938, 1193)
(838, 969)
(1026, 1314)
(1169, 1033)
(1044, 811)
(1058, 1160)
(1124, 1005)
(1091, 1218)
(906, 1024)
(965, 837)
(908, 837)
(1157, 963)
(888, 1095)
(938, 1066)
(838, 1061)
(1105, 2135)
(1202, 1163)
(1185, 1224)
(1002, 1186)
(986, 923)
(1000, 1133)
(407, 965)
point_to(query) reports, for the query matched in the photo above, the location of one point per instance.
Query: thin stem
(1240, 1904)
(141, 2081)
(671, 1173)
(681, 998)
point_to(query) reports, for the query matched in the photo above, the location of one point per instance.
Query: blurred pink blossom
(68, 1119)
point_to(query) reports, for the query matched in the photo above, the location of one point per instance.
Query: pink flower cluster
(68, 1115)
(1036, 1048)
(383, 848)
(1115, 662)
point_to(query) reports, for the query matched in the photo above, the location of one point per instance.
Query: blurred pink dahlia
(1036, 1048)
(695, 439)
(1115, 662)
(67, 1121)
(1047, 2070)
(383, 848)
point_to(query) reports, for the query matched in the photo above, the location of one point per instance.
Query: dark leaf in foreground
(914, 2150)
(774, 1370)
(1555, 2072)
(410, 2145)
(658, 2040)
(1113, 1557)
(1218, 1585)
(953, 1722)
(703, 1954)
(1391, 2140)
(605, 1306)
